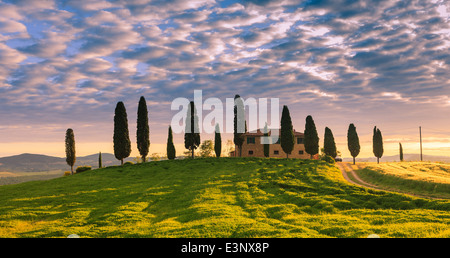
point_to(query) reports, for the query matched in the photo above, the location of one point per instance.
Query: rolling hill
(37, 163)
(217, 198)
(406, 157)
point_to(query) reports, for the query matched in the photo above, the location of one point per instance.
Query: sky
(66, 64)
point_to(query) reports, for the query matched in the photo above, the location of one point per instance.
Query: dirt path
(346, 167)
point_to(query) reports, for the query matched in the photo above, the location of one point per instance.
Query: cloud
(383, 57)
(90, 5)
(52, 45)
(8, 26)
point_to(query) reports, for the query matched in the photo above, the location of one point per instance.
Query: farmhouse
(252, 146)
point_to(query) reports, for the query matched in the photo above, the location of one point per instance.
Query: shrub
(155, 157)
(82, 169)
(328, 159)
(67, 173)
(128, 163)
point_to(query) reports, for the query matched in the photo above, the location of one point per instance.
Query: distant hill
(406, 157)
(36, 162)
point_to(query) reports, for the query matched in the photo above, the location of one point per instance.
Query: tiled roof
(259, 132)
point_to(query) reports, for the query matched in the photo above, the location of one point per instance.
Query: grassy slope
(226, 197)
(421, 178)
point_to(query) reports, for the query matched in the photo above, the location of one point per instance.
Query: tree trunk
(192, 155)
(121, 162)
(143, 159)
(353, 160)
(378, 160)
(71, 169)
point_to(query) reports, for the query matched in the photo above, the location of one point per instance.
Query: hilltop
(215, 197)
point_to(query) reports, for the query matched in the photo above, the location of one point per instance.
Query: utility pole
(420, 133)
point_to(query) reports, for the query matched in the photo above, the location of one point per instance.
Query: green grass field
(226, 197)
(420, 178)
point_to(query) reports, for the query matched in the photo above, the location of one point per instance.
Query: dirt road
(346, 168)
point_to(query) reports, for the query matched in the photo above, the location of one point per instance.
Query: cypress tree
(239, 123)
(287, 139)
(311, 138)
(217, 141)
(266, 145)
(192, 133)
(100, 160)
(380, 142)
(353, 141)
(377, 144)
(171, 153)
(329, 145)
(121, 138)
(142, 131)
(70, 149)
(401, 151)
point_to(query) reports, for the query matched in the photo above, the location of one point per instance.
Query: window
(250, 140)
(250, 152)
(276, 152)
(299, 140)
(300, 152)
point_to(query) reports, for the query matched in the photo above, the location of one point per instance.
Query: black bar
(227, 247)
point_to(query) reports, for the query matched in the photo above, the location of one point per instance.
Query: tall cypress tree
(171, 153)
(70, 149)
(329, 145)
(401, 151)
(121, 138)
(142, 131)
(217, 141)
(353, 141)
(287, 139)
(311, 137)
(239, 123)
(100, 160)
(266, 145)
(377, 144)
(192, 132)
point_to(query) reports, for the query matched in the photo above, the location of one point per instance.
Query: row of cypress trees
(121, 138)
(192, 134)
(311, 139)
(122, 143)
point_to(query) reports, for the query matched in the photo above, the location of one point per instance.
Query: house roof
(259, 132)
(298, 133)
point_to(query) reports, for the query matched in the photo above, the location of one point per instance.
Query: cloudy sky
(65, 64)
